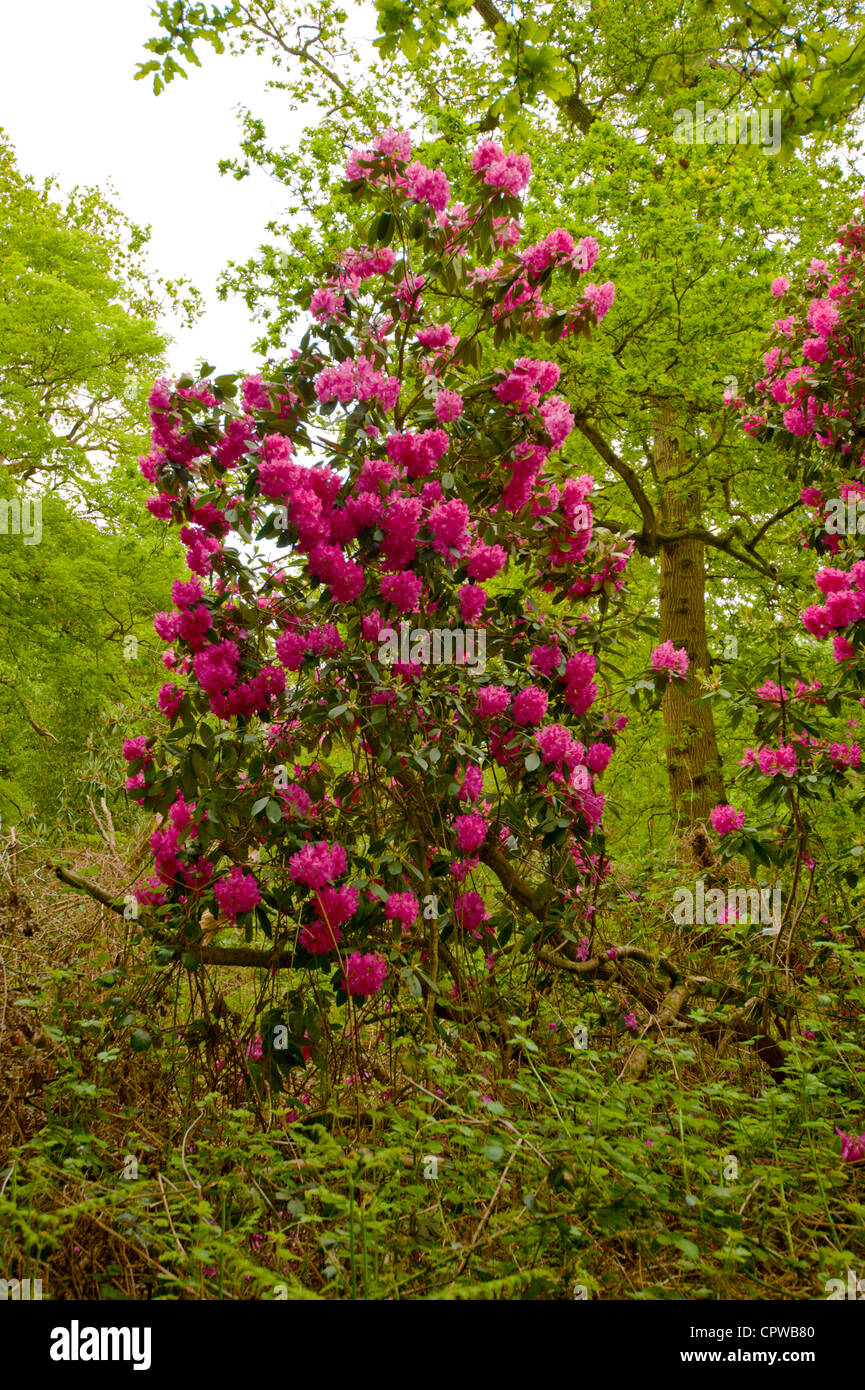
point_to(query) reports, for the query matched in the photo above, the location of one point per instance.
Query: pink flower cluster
(402, 590)
(448, 406)
(470, 912)
(472, 601)
(326, 304)
(558, 248)
(357, 381)
(317, 864)
(136, 748)
(601, 298)
(493, 700)
(320, 640)
(845, 755)
(417, 453)
(486, 561)
(673, 660)
(428, 186)
(356, 266)
(391, 144)
(817, 330)
(472, 783)
(238, 893)
(530, 705)
(364, 974)
(546, 659)
(508, 173)
(843, 606)
(335, 907)
(170, 846)
(169, 699)
(581, 689)
(526, 382)
(319, 937)
(778, 694)
(727, 818)
(448, 524)
(852, 1146)
(770, 760)
(556, 744)
(470, 832)
(402, 907)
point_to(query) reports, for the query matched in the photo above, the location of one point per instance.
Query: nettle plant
(387, 820)
(811, 401)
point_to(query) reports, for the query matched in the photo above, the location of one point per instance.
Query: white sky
(70, 105)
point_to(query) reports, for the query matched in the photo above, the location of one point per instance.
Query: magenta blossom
(852, 1146)
(726, 819)
(530, 705)
(470, 832)
(238, 893)
(317, 864)
(470, 912)
(364, 974)
(402, 907)
(673, 660)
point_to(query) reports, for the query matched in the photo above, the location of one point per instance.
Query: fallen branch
(676, 1001)
(605, 965)
(85, 885)
(207, 955)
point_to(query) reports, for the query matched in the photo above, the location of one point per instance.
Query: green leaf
(494, 1150)
(541, 895)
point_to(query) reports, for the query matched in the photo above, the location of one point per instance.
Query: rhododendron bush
(810, 401)
(325, 782)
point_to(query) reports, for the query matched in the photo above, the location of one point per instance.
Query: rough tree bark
(693, 761)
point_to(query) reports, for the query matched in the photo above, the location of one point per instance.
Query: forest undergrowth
(524, 1158)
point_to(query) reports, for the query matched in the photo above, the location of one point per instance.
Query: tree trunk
(693, 762)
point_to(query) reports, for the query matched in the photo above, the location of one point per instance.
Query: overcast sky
(70, 105)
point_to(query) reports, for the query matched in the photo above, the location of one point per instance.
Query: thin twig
(486, 1216)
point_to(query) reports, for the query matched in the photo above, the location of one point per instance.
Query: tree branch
(572, 105)
(86, 885)
(44, 733)
(647, 542)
